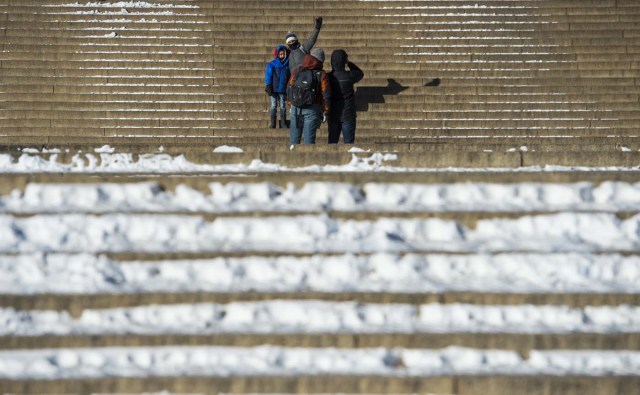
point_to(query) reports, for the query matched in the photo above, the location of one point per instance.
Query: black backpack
(304, 89)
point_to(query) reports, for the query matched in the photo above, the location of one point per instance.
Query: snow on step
(410, 273)
(563, 232)
(163, 163)
(286, 316)
(608, 196)
(280, 361)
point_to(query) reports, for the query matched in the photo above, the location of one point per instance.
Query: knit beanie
(318, 53)
(290, 37)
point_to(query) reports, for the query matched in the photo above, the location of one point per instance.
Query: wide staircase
(469, 243)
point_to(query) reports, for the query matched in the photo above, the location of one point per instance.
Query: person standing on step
(298, 51)
(343, 102)
(309, 93)
(275, 79)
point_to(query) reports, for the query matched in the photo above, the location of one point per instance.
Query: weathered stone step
(279, 144)
(270, 39)
(461, 385)
(333, 17)
(162, 103)
(522, 343)
(275, 36)
(106, 116)
(170, 144)
(434, 98)
(237, 132)
(260, 140)
(183, 124)
(442, 108)
(255, 77)
(75, 304)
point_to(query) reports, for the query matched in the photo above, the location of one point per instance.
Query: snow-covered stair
(261, 287)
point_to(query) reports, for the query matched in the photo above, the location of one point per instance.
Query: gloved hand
(318, 21)
(324, 118)
(268, 89)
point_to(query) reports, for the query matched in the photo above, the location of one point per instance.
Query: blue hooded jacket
(277, 74)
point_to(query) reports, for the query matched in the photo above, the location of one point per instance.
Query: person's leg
(349, 132)
(334, 132)
(283, 111)
(272, 112)
(312, 121)
(295, 132)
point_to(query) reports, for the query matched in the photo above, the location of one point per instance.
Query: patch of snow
(227, 149)
(280, 361)
(105, 149)
(608, 196)
(296, 316)
(563, 232)
(571, 272)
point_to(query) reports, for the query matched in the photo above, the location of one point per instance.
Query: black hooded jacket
(343, 101)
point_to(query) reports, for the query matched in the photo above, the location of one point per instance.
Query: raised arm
(311, 41)
(356, 73)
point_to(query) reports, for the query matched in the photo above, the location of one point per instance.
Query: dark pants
(348, 130)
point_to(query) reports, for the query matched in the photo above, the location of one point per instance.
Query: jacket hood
(311, 63)
(338, 59)
(281, 47)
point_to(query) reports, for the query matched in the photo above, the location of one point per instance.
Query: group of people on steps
(296, 73)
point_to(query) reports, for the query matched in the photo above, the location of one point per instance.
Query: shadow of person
(366, 95)
(433, 82)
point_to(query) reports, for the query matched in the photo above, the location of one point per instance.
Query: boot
(272, 124)
(283, 120)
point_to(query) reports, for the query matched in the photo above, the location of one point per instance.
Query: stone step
(442, 385)
(270, 40)
(275, 37)
(463, 91)
(261, 140)
(610, 104)
(369, 144)
(255, 77)
(99, 114)
(75, 304)
(186, 121)
(404, 99)
(256, 24)
(522, 343)
(43, 128)
(11, 181)
(333, 18)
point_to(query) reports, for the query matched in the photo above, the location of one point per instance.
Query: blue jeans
(304, 120)
(278, 99)
(348, 130)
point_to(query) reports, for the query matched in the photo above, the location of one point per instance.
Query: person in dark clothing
(276, 78)
(342, 117)
(299, 51)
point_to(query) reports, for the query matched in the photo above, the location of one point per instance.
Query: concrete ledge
(602, 158)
